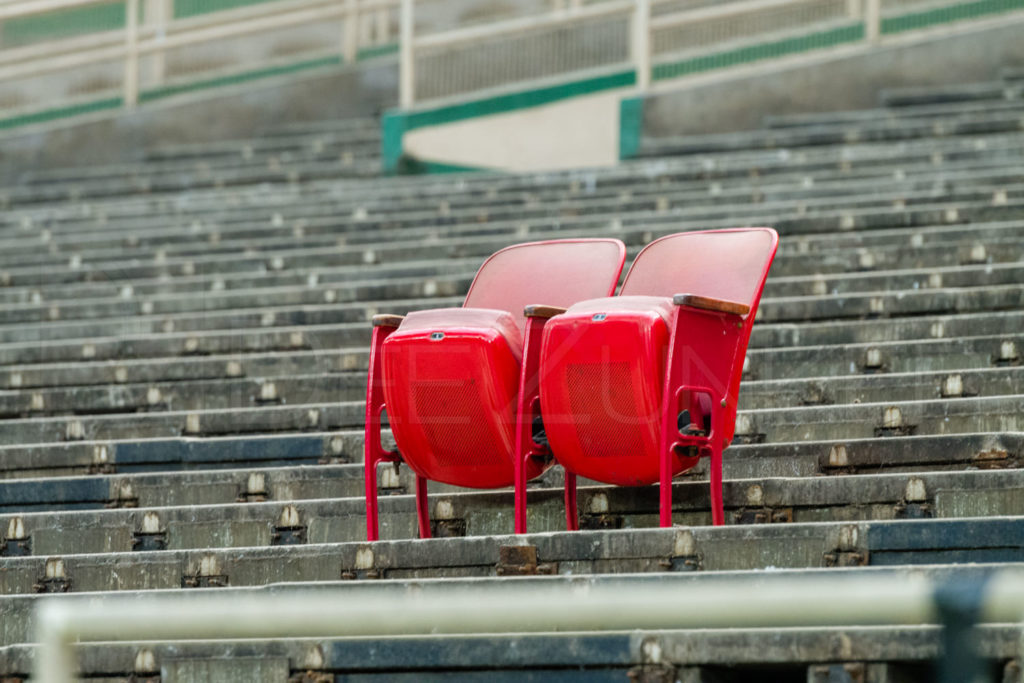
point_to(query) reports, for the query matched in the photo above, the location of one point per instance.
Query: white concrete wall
(574, 133)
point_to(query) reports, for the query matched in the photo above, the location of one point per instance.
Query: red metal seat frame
(705, 353)
(529, 458)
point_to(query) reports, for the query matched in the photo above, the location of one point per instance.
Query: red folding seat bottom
(605, 361)
(451, 379)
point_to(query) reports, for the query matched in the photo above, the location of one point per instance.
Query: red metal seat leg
(370, 477)
(715, 469)
(572, 514)
(422, 507)
(373, 451)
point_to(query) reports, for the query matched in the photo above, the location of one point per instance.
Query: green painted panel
(948, 14)
(752, 53)
(631, 126)
(59, 112)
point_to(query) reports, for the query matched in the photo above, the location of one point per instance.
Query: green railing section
(111, 15)
(61, 112)
(817, 40)
(149, 95)
(949, 14)
(103, 17)
(191, 8)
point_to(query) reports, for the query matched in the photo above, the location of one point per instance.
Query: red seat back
(551, 273)
(724, 264)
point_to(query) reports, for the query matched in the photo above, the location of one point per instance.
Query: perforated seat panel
(451, 379)
(605, 362)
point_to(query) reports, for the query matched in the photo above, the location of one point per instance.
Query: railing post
(350, 32)
(383, 28)
(406, 76)
(853, 8)
(131, 56)
(366, 22)
(157, 15)
(641, 40)
(872, 20)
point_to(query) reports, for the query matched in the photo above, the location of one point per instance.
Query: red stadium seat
(636, 388)
(459, 384)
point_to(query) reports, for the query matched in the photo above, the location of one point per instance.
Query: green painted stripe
(408, 165)
(752, 53)
(631, 125)
(59, 112)
(377, 51)
(242, 77)
(191, 8)
(949, 14)
(396, 122)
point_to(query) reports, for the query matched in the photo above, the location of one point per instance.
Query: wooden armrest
(709, 304)
(387, 320)
(539, 311)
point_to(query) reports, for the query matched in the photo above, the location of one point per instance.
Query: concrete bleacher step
(954, 375)
(869, 215)
(996, 450)
(209, 181)
(893, 387)
(961, 109)
(354, 155)
(938, 347)
(95, 342)
(85, 528)
(179, 453)
(293, 273)
(931, 94)
(291, 225)
(988, 264)
(740, 547)
(896, 129)
(291, 233)
(876, 654)
(202, 395)
(978, 162)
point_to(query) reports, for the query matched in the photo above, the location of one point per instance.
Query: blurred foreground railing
(441, 608)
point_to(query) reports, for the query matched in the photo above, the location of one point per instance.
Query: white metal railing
(514, 606)
(548, 46)
(151, 34)
(443, 52)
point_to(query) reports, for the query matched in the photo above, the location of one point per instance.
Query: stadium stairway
(184, 342)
